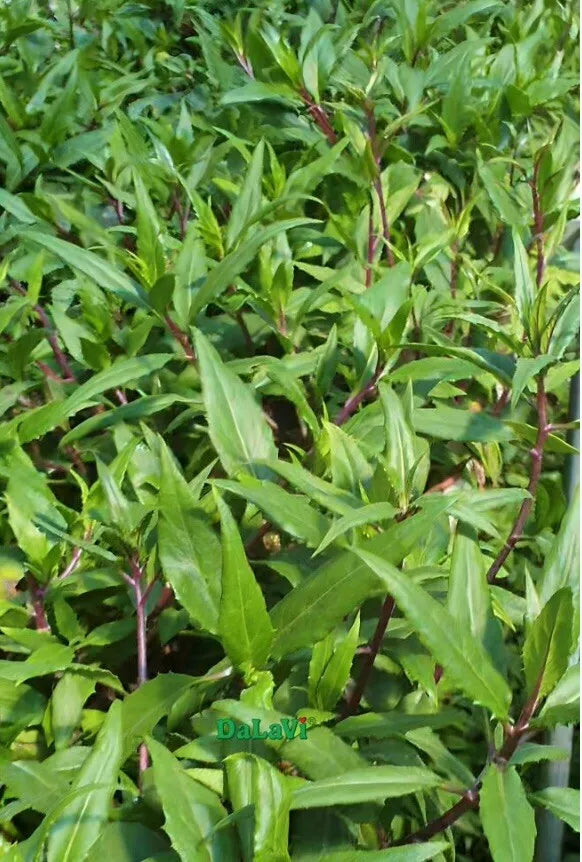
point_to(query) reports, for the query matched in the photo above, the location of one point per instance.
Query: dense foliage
(289, 322)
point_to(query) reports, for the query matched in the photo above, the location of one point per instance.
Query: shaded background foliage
(289, 325)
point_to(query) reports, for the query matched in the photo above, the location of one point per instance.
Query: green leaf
(507, 817)
(237, 427)
(129, 842)
(236, 261)
(189, 549)
(410, 853)
(93, 266)
(321, 755)
(329, 668)
(524, 285)
(349, 467)
(502, 200)
(564, 802)
(35, 784)
(377, 726)
(16, 206)
(547, 645)
(561, 567)
(192, 811)
(258, 91)
(525, 372)
(462, 656)
(39, 422)
(563, 704)
(290, 512)
(83, 819)
(254, 782)
(43, 661)
(68, 698)
(20, 706)
(468, 597)
(324, 493)
(374, 784)
(147, 705)
(244, 624)
(457, 16)
(530, 752)
(149, 246)
(248, 200)
(449, 423)
(371, 514)
(401, 452)
(312, 609)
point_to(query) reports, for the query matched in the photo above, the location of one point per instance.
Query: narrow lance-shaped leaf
(547, 645)
(189, 548)
(248, 200)
(312, 609)
(375, 783)
(462, 656)
(370, 514)
(290, 512)
(524, 285)
(329, 668)
(468, 598)
(244, 624)
(90, 264)
(236, 424)
(235, 262)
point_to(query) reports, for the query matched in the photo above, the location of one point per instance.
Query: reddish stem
(37, 597)
(246, 64)
(67, 372)
(538, 224)
(181, 338)
(319, 116)
(371, 248)
(136, 583)
(354, 401)
(385, 223)
(454, 284)
(355, 697)
(535, 473)
(75, 560)
(513, 736)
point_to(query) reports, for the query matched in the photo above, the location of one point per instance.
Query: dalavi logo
(287, 728)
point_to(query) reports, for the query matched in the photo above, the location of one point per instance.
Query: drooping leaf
(564, 802)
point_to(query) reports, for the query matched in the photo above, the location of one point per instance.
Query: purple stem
(136, 583)
(354, 401)
(355, 697)
(536, 453)
(37, 596)
(513, 736)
